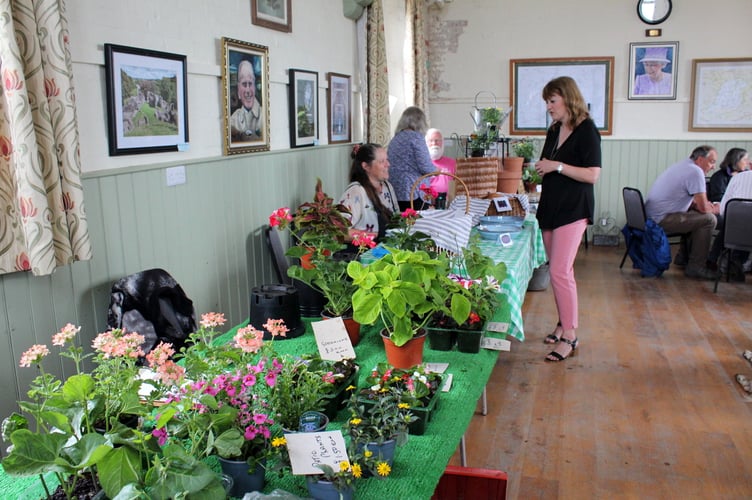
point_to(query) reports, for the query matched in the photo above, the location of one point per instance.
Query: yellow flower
(403, 406)
(355, 421)
(383, 469)
(368, 454)
(279, 441)
(384, 389)
(356, 471)
(350, 387)
(344, 466)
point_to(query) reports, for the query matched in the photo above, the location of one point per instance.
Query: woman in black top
(736, 160)
(570, 165)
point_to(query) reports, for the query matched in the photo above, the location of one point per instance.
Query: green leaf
(87, 451)
(35, 453)
(119, 468)
(366, 307)
(460, 306)
(78, 388)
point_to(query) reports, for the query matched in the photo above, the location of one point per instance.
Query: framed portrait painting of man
(304, 108)
(652, 70)
(338, 108)
(245, 88)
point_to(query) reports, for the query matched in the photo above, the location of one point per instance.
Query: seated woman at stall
(370, 197)
(736, 160)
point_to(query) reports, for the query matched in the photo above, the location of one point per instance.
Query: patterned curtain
(416, 16)
(42, 224)
(378, 80)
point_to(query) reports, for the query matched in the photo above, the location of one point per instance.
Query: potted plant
(320, 228)
(297, 389)
(418, 390)
(402, 289)
(337, 376)
(63, 440)
(531, 178)
(376, 429)
(524, 148)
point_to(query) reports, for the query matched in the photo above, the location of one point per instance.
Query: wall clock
(653, 11)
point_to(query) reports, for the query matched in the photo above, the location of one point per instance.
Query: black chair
(278, 253)
(736, 233)
(634, 207)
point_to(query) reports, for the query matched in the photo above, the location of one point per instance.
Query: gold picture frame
(246, 124)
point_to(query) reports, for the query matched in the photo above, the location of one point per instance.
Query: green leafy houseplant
(320, 228)
(386, 419)
(297, 389)
(525, 148)
(403, 289)
(415, 386)
(531, 176)
(124, 460)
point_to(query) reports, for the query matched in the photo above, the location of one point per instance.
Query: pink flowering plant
(401, 234)
(65, 439)
(222, 404)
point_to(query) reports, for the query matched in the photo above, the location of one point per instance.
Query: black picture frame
(147, 100)
(241, 139)
(638, 73)
(304, 108)
(339, 111)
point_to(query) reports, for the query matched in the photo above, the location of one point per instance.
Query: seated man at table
(440, 183)
(678, 203)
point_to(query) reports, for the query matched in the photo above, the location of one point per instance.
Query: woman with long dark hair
(369, 197)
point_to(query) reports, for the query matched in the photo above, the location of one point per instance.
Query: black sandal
(558, 357)
(551, 338)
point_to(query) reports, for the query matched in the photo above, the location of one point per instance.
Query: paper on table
(332, 340)
(307, 449)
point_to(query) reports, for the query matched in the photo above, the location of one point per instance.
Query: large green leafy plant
(403, 289)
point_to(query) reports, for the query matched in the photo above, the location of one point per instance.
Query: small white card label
(496, 326)
(495, 344)
(332, 340)
(447, 382)
(437, 367)
(308, 449)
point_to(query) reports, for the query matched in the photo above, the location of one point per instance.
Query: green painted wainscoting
(208, 234)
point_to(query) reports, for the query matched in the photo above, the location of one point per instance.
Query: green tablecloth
(526, 254)
(420, 463)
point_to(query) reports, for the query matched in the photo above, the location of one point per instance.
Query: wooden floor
(648, 408)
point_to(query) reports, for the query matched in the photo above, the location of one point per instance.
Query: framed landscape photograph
(720, 87)
(273, 14)
(338, 108)
(652, 70)
(304, 108)
(245, 88)
(147, 101)
(594, 77)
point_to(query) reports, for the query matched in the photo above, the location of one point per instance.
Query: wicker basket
(517, 208)
(434, 174)
(480, 175)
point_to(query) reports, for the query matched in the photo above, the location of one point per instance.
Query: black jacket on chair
(153, 304)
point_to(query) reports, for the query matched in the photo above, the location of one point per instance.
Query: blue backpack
(651, 254)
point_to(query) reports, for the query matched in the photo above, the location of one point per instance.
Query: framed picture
(273, 14)
(720, 87)
(594, 77)
(304, 108)
(338, 108)
(147, 100)
(245, 87)
(652, 70)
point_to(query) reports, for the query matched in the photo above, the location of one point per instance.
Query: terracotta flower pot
(352, 327)
(407, 355)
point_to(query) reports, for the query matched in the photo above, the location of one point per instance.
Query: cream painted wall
(499, 31)
(195, 28)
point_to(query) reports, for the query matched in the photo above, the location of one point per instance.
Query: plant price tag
(495, 344)
(496, 326)
(307, 449)
(332, 340)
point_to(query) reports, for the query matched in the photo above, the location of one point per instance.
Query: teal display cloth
(418, 464)
(521, 258)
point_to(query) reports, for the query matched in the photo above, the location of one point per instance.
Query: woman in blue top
(409, 157)
(570, 165)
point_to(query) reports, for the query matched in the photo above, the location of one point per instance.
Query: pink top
(441, 182)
